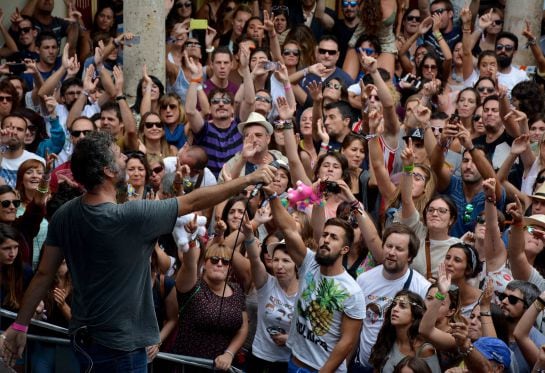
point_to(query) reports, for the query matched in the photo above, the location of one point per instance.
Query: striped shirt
(220, 144)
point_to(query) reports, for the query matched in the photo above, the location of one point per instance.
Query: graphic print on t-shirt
(318, 303)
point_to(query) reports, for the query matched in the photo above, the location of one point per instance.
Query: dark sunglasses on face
(480, 219)
(157, 170)
(24, 30)
(477, 118)
(429, 67)
(79, 133)
(511, 298)
(439, 11)
(32, 129)
(498, 22)
(437, 129)
(330, 52)
(191, 44)
(291, 52)
(150, 125)
(368, 51)
(169, 106)
(263, 99)
(350, 3)
(216, 259)
(183, 5)
(223, 100)
(413, 18)
(6, 203)
(6, 98)
(508, 48)
(488, 90)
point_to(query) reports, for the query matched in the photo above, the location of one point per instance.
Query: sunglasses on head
(150, 125)
(330, 52)
(157, 170)
(468, 211)
(216, 259)
(511, 298)
(7, 202)
(263, 99)
(488, 90)
(79, 133)
(367, 51)
(291, 52)
(350, 3)
(279, 9)
(508, 48)
(223, 100)
(413, 18)
(169, 106)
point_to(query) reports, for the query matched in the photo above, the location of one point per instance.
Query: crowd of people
(356, 189)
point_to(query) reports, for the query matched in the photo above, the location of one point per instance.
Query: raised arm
(315, 91)
(320, 14)
(385, 185)
(437, 161)
(445, 49)
(186, 278)
(145, 105)
(522, 331)
(520, 267)
(494, 248)
(195, 119)
(10, 46)
(467, 46)
(88, 85)
(258, 270)
(129, 123)
(534, 47)
(274, 44)
(406, 186)
(248, 100)
(54, 79)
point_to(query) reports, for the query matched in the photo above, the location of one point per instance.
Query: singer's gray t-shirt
(107, 248)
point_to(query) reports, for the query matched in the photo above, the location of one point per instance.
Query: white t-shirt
(512, 78)
(319, 310)
(274, 312)
(378, 292)
(9, 167)
(208, 179)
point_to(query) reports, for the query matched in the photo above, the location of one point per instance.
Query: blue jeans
(292, 368)
(97, 358)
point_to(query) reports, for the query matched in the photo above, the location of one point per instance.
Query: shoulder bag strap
(428, 259)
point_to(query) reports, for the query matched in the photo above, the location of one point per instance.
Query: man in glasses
(25, 35)
(344, 28)
(452, 33)
(12, 140)
(123, 236)
(506, 46)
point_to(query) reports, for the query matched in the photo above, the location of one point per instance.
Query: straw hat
(256, 118)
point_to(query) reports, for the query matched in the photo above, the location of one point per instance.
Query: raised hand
(51, 105)
(194, 65)
(89, 81)
(284, 110)
(486, 19)
(315, 90)
(436, 27)
(425, 25)
(368, 63)
(244, 56)
(119, 79)
(515, 210)
(15, 18)
(376, 122)
(489, 187)
(520, 144)
(59, 295)
(319, 69)
(443, 279)
(321, 131)
(527, 32)
(407, 155)
(209, 37)
(268, 24)
(464, 137)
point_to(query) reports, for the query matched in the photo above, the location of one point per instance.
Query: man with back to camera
(111, 323)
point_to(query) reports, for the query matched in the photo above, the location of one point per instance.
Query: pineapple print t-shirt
(316, 327)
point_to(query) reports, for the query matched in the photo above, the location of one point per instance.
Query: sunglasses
(169, 106)
(508, 48)
(333, 85)
(486, 89)
(439, 11)
(150, 125)
(440, 210)
(429, 67)
(216, 259)
(367, 51)
(437, 129)
(183, 5)
(157, 170)
(330, 52)
(32, 129)
(350, 3)
(223, 100)
(263, 99)
(468, 211)
(540, 179)
(6, 98)
(24, 30)
(5, 203)
(511, 298)
(77, 134)
(498, 22)
(480, 219)
(374, 97)
(414, 18)
(191, 44)
(291, 52)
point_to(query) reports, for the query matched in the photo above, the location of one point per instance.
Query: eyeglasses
(6, 98)
(183, 5)
(439, 11)
(24, 30)
(477, 118)
(374, 97)
(437, 129)
(263, 99)
(480, 219)
(291, 52)
(77, 134)
(216, 259)
(150, 125)
(498, 22)
(413, 18)
(157, 170)
(508, 48)
(330, 52)
(350, 3)
(191, 44)
(367, 51)
(429, 67)
(511, 298)
(488, 90)
(419, 177)
(32, 129)
(223, 100)
(468, 211)
(169, 106)
(333, 85)
(440, 210)
(6, 203)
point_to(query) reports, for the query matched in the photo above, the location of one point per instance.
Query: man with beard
(345, 27)
(49, 62)
(380, 284)
(443, 11)
(14, 153)
(330, 307)
(111, 323)
(506, 46)
(496, 142)
(466, 192)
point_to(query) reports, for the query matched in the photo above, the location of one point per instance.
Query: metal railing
(179, 359)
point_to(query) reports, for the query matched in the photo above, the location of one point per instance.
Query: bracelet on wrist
(19, 327)
(230, 353)
(467, 351)
(440, 296)
(324, 146)
(370, 136)
(487, 314)
(196, 80)
(121, 97)
(287, 87)
(210, 50)
(408, 168)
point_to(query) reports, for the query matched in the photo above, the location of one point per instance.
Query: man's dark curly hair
(91, 155)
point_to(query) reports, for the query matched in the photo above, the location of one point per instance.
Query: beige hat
(540, 193)
(536, 220)
(256, 118)
(272, 246)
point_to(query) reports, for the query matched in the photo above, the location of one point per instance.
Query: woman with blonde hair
(152, 137)
(172, 114)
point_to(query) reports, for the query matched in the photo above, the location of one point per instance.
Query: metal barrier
(180, 359)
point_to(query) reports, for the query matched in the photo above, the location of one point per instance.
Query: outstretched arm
(520, 267)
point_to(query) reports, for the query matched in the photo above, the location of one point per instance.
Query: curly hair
(371, 16)
(387, 335)
(91, 155)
